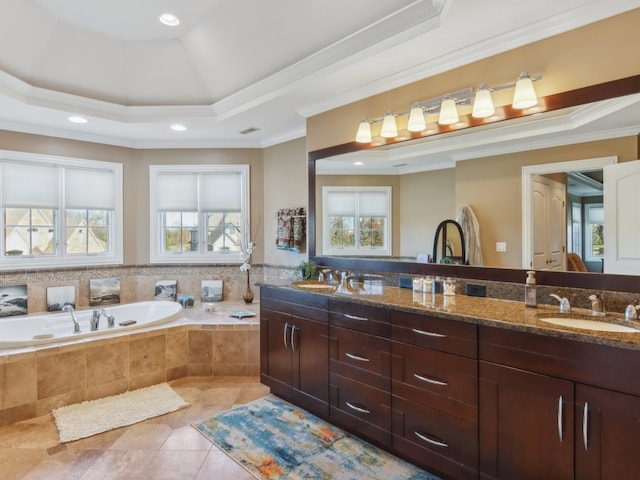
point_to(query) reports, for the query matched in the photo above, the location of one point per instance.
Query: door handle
(356, 357)
(293, 338)
(284, 339)
(430, 380)
(429, 334)
(560, 419)
(585, 426)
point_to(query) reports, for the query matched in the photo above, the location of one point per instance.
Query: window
(59, 211)
(356, 220)
(593, 225)
(199, 213)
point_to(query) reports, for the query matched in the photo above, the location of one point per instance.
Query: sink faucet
(597, 305)
(565, 305)
(95, 318)
(76, 325)
(631, 312)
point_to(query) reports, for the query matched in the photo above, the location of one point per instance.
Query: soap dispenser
(530, 297)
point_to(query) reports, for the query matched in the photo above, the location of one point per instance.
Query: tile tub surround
(34, 381)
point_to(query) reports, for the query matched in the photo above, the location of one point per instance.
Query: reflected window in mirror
(594, 226)
(356, 220)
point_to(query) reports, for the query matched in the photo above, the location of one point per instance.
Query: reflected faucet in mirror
(449, 244)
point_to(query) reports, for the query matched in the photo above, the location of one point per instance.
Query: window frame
(588, 232)
(60, 257)
(202, 256)
(356, 251)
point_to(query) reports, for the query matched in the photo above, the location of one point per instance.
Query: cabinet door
(310, 350)
(526, 424)
(276, 352)
(607, 434)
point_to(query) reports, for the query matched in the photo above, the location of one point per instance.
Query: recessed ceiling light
(77, 119)
(358, 163)
(169, 19)
(178, 127)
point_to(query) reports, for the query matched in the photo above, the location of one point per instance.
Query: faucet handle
(565, 304)
(631, 312)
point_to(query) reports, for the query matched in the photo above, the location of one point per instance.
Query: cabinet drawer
(360, 408)
(359, 317)
(437, 333)
(439, 380)
(301, 304)
(435, 431)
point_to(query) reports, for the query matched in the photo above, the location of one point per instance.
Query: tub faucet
(565, 304)
(597, 305)
(95, 318)
(76, 325)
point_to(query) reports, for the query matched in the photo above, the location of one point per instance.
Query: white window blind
(30, 185)
(595, 214)
(177, 192)
(89, 189)
(221, 192)
(374, 204)
(341, 203)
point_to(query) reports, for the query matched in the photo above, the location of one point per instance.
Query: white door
(549, 224)
(622, 218)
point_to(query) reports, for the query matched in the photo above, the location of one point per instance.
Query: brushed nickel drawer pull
(430, 380)
(356, 357)
(354, 317)
(286, 327)
(437, 443)
(429, 334)
(357, 408)
(293, 338)
(560, 419)
(585, 426)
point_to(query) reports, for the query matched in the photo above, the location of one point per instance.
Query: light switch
(501, 246)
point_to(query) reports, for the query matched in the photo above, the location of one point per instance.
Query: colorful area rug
(88, 418)
(273, 439)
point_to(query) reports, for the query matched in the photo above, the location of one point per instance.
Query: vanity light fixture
(524, 95)
(364, 132)
(416, 119)
(483, 103)
(448, 111)
(447, 108)
(169, 19)
(389, 126)
(77, 119)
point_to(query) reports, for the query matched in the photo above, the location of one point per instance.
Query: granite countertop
(478, 310)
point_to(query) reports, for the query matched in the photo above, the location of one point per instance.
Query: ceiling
(232, 66)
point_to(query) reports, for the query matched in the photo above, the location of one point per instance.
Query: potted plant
(305, 271)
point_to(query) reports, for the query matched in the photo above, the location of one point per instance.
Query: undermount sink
(316, 286)
(586, 324)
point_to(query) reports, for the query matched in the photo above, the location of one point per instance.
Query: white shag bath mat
(96, 416)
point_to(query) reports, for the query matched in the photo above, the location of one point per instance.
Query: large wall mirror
(492, 169)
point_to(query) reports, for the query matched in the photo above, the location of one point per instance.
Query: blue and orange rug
(273, 439)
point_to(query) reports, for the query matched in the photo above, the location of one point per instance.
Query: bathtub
(38, 329)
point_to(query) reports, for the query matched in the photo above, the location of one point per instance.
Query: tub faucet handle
(95, 318)
(565, 304)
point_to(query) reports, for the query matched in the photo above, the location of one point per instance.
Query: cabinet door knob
(432, 441)
(356, 357)
(357, 408)
(429, 334)
(430, 380)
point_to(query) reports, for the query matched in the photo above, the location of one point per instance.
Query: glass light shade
(389, 127)
(364, 132)
(416, 119)
(483, 103)
(448, 112)
(524, 95)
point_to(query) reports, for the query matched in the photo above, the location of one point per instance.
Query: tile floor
(161, 448)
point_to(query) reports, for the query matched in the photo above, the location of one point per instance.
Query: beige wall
(592, 54)
(285, 186)
(492, 187)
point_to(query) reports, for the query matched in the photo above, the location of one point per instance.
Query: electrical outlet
(501, 246)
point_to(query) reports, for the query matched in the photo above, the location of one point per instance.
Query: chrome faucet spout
(95, 318)
(597, 305)
(76, 325)
(565, 304)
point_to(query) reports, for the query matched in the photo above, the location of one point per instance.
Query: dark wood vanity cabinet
(359, 369)
(557, 408)
(294, 347)
(435, 393)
